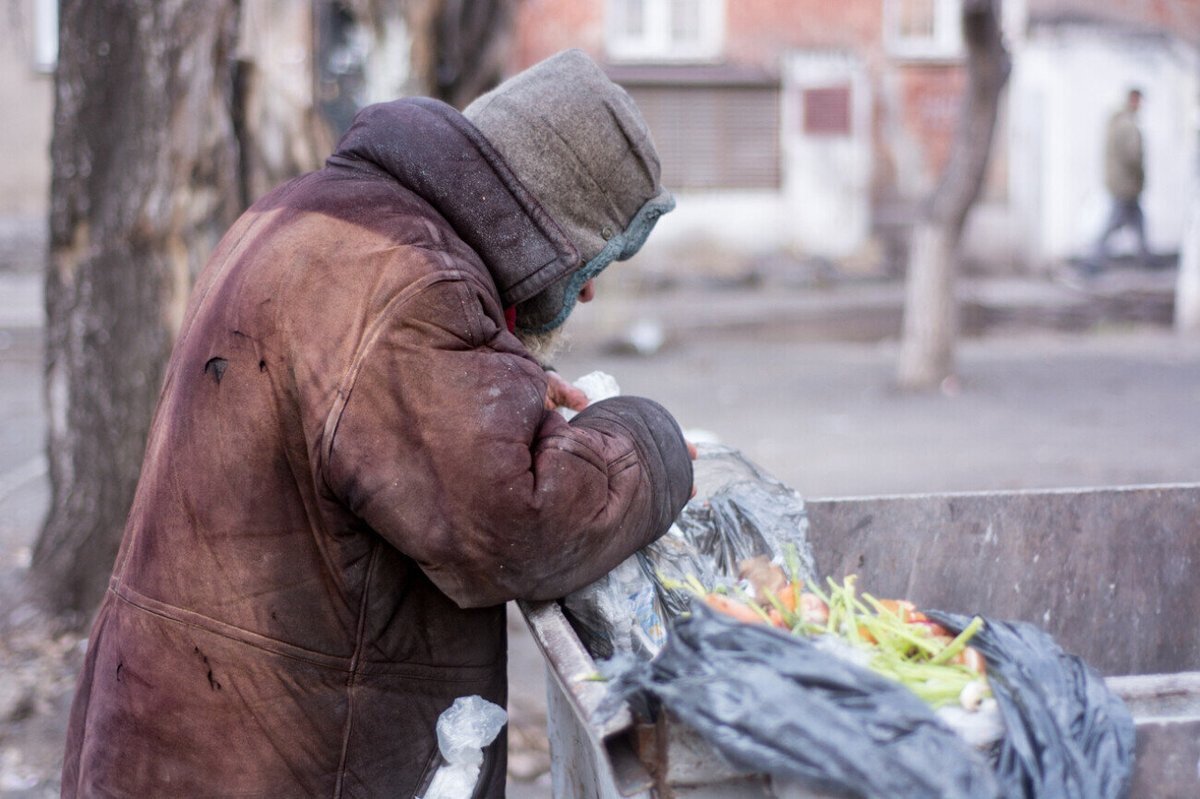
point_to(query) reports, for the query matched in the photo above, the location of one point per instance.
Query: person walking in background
(1125, 178)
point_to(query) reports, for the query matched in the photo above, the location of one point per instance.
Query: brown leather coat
(349, 471)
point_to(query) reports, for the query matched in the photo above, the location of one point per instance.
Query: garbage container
(1110, 573)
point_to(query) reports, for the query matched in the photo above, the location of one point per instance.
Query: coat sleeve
(443, 447)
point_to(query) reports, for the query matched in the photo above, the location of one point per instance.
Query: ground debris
(39, 660)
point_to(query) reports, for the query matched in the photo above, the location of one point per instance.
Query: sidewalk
(846, 310)
(864, 311)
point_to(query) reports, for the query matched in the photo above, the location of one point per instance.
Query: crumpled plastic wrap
(464, 730)
(739, 511)
(1067, 736)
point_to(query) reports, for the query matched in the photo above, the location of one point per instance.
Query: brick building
(813, 127)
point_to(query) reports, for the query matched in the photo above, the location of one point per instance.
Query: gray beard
(544, 346)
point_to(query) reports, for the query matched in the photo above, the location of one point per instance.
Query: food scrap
(889, 636)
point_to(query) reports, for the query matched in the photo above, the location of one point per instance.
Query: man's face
(544, 346)
(1135, 101)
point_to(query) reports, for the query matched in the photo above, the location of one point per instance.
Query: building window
(45, 35)
(712, 136)
(826, 111)
(664, 30)
(923, 29)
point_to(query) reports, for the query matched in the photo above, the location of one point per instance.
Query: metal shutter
(714, 137)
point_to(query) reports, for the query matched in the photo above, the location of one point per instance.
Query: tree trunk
(453, 50)
(280, 133)
(161, 137)
(1187, 284)
(930, 308)
(472, 42)
(144, 181)
(170, 118)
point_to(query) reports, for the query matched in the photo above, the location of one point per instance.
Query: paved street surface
(810, 399)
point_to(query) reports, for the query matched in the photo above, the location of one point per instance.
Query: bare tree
(472, 40)
(930, 308)
(170, 118)
(145, 178)
(453, 50)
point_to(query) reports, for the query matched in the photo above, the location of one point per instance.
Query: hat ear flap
(620, 247)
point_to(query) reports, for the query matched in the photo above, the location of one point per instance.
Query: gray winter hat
(579, 144)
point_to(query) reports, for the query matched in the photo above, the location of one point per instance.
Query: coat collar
(434, 151)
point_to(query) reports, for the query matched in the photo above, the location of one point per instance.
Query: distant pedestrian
(1125, 178)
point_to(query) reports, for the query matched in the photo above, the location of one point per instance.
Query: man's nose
(587, 292)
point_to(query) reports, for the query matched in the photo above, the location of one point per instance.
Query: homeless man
(352, 465)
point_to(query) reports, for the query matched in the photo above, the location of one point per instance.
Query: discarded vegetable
(892, 636)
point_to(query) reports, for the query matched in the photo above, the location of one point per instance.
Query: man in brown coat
(352, 465)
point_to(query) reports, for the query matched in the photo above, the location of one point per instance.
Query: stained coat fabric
(349, 471)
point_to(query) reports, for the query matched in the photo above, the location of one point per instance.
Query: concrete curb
(848, 311)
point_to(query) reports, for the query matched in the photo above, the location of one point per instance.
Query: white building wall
(741, 223)
(1066, 83)
(827, 179)
(823, 206)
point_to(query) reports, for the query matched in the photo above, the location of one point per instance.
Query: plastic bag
(739, 511)
(463, 731)
(778, 704)
(619, 613)
(595, 386)
(1067, 736)
(786, 706)
(773, 703)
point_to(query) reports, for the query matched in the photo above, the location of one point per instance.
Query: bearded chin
(544, 346)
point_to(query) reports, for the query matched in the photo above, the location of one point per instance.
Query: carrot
(787, 596)
(900, 607)
(732, 608)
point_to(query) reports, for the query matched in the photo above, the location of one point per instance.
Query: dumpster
(1110, 573)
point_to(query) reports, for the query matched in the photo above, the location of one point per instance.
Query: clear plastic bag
(619, 613)
(739, 511)
(464, 730)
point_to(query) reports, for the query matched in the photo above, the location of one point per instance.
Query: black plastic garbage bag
(773, 703)
(1066, 735)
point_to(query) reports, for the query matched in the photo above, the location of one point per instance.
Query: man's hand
(561, 393)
